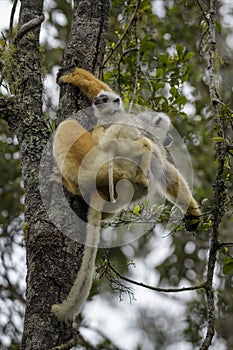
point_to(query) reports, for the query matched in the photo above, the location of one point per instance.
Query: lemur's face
(107, 102)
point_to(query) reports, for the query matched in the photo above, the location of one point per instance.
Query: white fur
(157, 124)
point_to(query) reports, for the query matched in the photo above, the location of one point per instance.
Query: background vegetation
(159, 55)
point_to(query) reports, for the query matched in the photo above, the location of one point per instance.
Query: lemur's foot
(191, 222)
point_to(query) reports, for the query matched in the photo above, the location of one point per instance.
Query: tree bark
(52, 258)
(85, 49)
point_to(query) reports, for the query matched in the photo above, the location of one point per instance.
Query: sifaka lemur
(117, 148)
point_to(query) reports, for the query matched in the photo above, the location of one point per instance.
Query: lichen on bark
(52, 258)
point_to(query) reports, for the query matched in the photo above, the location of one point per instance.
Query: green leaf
(107, 75)
(181, 100)
(184, 78)
(188, 56)
(147, 44)
(217, 139)
(146, 6)
(228, 265)
(173, 91)
(163, 58)
(137, 209)
(180, 50)
(159, 72)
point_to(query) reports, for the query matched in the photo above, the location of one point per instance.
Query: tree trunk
(52, 258)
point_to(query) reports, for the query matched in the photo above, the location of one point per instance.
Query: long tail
(71, 307)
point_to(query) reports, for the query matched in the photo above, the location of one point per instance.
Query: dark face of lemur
(107, 103)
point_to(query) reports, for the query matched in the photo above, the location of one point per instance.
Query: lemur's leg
(174, 187)
(88, 83)
(178, 190)
(71, 143)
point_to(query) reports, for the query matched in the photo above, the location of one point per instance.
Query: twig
(226, 244)
(28, 26)
(203, 12)
(4, 37)
(136, 74)
(123, 36)
(114, 279)
(206, 31)
(124, 53)
(164, 290)
(12, 19)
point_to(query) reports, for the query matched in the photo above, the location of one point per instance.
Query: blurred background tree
(157, 56)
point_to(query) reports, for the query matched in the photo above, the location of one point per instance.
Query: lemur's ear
(168, 140)
(63, 71)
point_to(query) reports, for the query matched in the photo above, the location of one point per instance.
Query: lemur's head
(107, 103)
(158, 124)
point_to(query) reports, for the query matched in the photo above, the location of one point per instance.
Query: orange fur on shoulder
(87, 82)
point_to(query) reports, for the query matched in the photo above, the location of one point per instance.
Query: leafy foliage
(155, 57)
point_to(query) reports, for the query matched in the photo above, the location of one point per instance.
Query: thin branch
(12, 19)
(206, 31)
(226, 244)
(124, 34)
(137, 69)
(164, 290)
(124, 53)
(203, 12)
(4, 37)
(24, 29)
(219, 184)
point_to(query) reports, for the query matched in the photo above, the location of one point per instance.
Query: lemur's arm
(88, 83)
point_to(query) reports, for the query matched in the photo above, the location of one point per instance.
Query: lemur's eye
(104, 99)
(117, 100)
